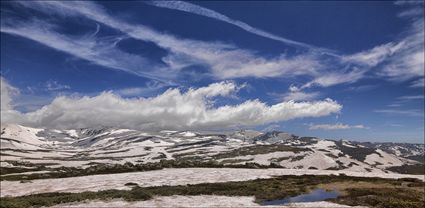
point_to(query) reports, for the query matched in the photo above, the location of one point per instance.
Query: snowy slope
(83, 147)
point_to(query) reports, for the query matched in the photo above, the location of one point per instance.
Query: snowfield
(172, 177)
(83, 147)
(31, 150)
(197, 201)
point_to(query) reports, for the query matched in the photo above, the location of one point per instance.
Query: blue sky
(351, 70)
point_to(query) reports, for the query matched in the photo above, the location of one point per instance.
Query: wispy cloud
(394, 105)
(396, 60)
(337, 126)
(411, 97)
(198, 10)
(101, 51)
(374, 56)
(402, 100)
(223, 60)
(418, 83)
(335, 78)
(295, 94)
(53, 85)
(150, 88)
(403, 59)
(300, 96)
(408, 112)
(394, 125)
(399, 60)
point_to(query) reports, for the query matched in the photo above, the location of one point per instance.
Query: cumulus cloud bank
(174, 109)
(7, 92)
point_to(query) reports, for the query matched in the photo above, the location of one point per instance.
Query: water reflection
(315, 195)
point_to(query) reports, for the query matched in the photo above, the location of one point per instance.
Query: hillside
(81, 148)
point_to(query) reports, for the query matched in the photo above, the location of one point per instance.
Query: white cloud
(374, 56)
(7, 93)
(96, 50)
(400, 60)
(131, 91)
(334, 78)
(336, 126)
(300, 96)
(150, 88)
(409, 2)
(402, 100)
(224, 60)
(397, 60)
(295, 94)
(171, 110)
(53, 85)
(411, 97)
(394, 105)
(395, 125)
(195, 9)
(408, 112)
(418, 83)
(272, 127)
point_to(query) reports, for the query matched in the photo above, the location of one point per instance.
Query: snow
(187, 134)
(117, 146)
(168, 131)
(172, 177)
(262, 159)
(22, 134)
(174, 201)
(316, 159)
(386, 159)
(10, 144)
(7, 165)
(36, 154)
(72, 133)
(195, 201)
(324, 144)
(119, 131)
(28, 172)
(347, 144)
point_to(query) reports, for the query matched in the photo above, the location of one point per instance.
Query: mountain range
(107, 145)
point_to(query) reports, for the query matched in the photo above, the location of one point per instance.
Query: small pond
(315, 195)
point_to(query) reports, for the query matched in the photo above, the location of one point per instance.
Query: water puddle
(315, 195)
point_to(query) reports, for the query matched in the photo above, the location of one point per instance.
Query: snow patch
(171, 177)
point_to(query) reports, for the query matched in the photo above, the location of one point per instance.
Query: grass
(417, 169)
(374, 192)
(63, 172)
(358, 153)
(21, 167)
(396, 193)
(235, 160)
(259, 149)
(279, 159)
(96, 169)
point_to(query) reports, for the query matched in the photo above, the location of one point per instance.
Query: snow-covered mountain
(88, 146)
